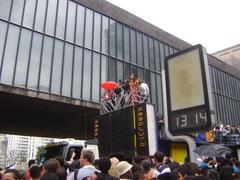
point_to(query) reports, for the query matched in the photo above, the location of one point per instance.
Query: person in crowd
(50, 166)
(187, 169)
(11, 174)
(87, 159)
(104, 165)
(226, 172)
(113, 170)
(74, 165)
(136, 162)
(149, 172)
(35, 172)
(27, 173)
(61, 173)
(160, 165)
(49, 176)
(212, 174)
(124, 170)
(60, 161)
(144, 91)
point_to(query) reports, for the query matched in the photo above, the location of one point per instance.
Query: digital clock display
(192, 121)
(188, 90)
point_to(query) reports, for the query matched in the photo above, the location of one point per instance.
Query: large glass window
(157, 58)
(87, 74)
(17, 10)
(10, 55)
(34, 61)
(153, 89)
(151, 54)
(112, 37)
(97, 31)
(61, 18)
(127, 70)
(159, 94)
(46, 64)
(139, 49)
(5, 7)
(71, 21)
(105, 34)
(119, 41)
(29, 13)
(77, 73)
(51, 16)
(80, 24)
(23, 56)
(126, 43)
(119, 70)
(3, 29)
(133, 46)
(88, 28)
(162, 54)
(104, 70)
(40, 15)
(140, 73)
(112, 69)
(166, 48)
(57, 67)
(96, 77)
(67, 70)
(145, 51)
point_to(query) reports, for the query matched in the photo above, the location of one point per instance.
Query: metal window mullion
(53, 50)
(142, 50)
(159, 53)
(116, 42)
(20, 32)
(116, 70)
(5, 41)
(43, 40)
(100, 72)
(136, 48)
(149, 64)
(123, 46)
(30, 50)
(63, 58)
(83, 51)
(154, 56)
(116, 39)
(148, 49)
(74, 47)
(108, 47)
(130, 48)
(91, 76)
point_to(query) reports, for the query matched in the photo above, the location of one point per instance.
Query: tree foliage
(41, 150)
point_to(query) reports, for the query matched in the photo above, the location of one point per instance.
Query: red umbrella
(109, 85)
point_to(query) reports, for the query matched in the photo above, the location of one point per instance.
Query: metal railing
(121, 100)
(228, 139)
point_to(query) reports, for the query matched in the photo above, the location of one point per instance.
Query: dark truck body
(128, 131)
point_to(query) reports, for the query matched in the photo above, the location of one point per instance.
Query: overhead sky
(213, 23)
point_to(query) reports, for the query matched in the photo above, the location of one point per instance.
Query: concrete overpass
(31, 113)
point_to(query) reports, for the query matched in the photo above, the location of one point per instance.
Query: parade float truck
(126, 126)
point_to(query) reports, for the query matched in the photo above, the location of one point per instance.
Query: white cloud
(212, 23)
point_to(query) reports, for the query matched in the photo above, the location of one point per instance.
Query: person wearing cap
(124, 170)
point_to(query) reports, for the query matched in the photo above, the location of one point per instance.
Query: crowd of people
(154, 167)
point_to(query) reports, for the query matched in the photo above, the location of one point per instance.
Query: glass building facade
(226, 96)
(62, 47)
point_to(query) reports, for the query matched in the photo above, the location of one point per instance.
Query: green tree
(41, 150)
